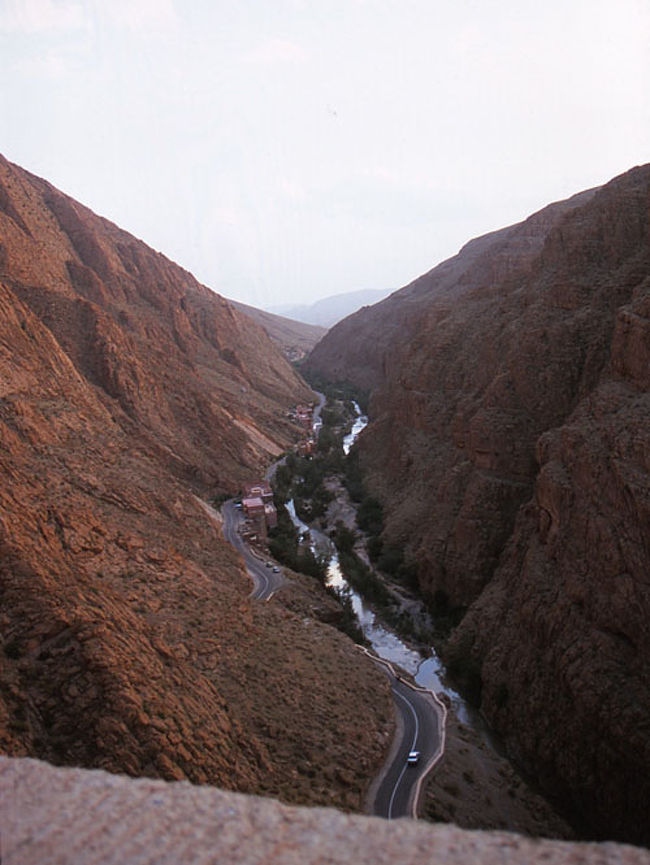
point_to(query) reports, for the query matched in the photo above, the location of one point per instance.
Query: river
(360, 423)
(428, 672)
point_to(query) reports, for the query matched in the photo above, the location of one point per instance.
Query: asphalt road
(421, 728)
(265, 582)
(422, 718)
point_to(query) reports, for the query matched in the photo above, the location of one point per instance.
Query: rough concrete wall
(52, 816)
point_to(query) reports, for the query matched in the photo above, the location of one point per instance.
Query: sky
(287, 150)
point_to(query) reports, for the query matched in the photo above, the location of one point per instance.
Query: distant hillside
(295, 338)
(327, 311)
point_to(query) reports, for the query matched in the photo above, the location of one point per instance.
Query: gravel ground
(476, 788)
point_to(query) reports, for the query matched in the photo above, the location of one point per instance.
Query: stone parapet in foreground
(51, 816)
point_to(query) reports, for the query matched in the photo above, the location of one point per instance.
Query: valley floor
(473, 786)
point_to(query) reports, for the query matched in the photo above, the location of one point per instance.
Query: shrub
(407, 574)
(375, 547)
(283, 539)
(363, 579)
(282, 481)
(370, 516)
(344, 538)
(313, 566)
(353, 478)
(391, 559)
(13, 649)
(348, 621)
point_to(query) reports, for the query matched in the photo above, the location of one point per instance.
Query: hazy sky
(284, 150)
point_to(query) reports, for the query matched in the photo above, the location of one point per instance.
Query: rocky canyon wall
(167, 353)
(510, 442)
(127, 638)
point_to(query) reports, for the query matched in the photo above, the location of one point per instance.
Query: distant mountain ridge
(295, 338)
(329, 310)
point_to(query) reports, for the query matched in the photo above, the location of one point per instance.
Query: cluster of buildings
(257, 505)
(257, 497)
(294, 353)
(304, 415)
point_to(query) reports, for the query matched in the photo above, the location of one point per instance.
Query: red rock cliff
(127, 637)
(510, 441)
(157, 346)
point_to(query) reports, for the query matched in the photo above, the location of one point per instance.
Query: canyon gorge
(509, 442)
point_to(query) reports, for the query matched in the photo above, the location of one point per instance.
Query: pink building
(259, 489)
(253, 506)
(304, 415)
(271, 515)
(306, 448)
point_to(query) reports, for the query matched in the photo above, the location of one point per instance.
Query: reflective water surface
(360, 423)
(428, 671)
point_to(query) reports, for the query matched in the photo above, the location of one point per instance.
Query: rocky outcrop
(509, 439)
(127, 638)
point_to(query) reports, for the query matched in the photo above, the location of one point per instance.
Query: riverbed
(360, 423)
(475, 786)
(429, 671)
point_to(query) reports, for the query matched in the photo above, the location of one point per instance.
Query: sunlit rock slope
(127, 639)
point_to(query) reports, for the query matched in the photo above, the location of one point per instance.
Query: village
(257, 505)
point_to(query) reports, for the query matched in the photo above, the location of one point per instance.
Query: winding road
(421, 716)
(265, 581)
(421, 727)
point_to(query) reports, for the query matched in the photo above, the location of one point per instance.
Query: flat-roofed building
(253, 506)
(259, 489)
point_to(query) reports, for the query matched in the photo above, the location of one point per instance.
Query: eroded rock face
(158, 344)
(560, 636)
(127, 638)
(509, 439)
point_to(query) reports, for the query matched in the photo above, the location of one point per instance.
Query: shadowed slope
(509, 442)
